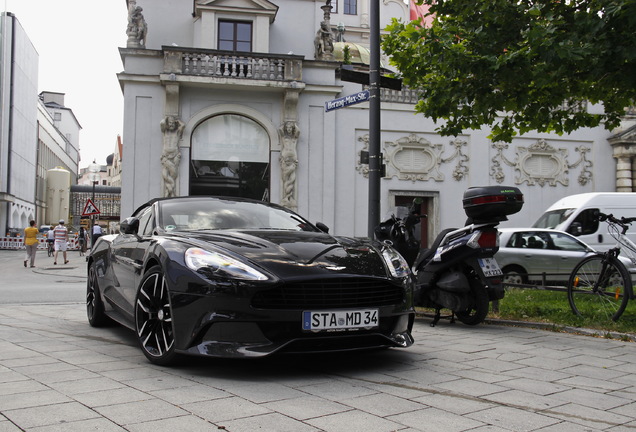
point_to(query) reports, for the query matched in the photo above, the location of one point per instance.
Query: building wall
(19, 137)
(30, 141)
(331, 183)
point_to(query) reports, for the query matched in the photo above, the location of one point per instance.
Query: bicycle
(600, 286)
(49, 248)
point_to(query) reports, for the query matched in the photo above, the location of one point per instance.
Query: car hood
(296, 253)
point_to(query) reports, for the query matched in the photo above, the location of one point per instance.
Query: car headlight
(221, 265)
(397, 265)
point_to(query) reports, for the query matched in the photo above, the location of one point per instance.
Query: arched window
(230, 157)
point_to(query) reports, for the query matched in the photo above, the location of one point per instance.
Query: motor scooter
(459, 271)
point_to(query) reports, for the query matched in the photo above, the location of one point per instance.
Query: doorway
(402, 205)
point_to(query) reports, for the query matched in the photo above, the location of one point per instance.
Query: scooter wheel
(477, 314)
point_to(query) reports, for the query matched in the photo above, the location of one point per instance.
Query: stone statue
(323, 42)
(289, 133)
(137, 28)
(172, 129)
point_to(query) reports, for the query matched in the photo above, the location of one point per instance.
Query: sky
(78, 44)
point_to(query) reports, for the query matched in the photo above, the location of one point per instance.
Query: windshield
(551, 219)
(216, 214)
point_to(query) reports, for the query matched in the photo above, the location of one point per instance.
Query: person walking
(31, 243)
(97, 233)
(81, 239)
(61, 241)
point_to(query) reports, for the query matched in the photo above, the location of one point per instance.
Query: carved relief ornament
(540, 163)
(417, 159)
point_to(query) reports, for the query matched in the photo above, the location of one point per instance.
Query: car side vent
(330, 293)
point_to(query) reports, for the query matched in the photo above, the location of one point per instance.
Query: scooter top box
(489, 202)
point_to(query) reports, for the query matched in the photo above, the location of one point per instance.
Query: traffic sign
(90, 208)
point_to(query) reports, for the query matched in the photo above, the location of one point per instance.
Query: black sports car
(241, 278)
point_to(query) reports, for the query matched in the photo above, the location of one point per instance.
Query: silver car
(535, 255)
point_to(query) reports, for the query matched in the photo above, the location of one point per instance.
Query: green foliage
(518, 66)
(346, 51)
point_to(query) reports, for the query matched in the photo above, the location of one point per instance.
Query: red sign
(90, 209)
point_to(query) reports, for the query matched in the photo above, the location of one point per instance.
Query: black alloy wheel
(153, 319)
(94, 305)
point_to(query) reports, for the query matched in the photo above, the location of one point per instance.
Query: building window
(351, 7)
(334, 6)
(230, 157)
(57, 116)
(235, 36)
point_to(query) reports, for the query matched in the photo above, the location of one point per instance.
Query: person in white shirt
(97, 232)
(61, 241)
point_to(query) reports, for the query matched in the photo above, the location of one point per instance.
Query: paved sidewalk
(59, 374)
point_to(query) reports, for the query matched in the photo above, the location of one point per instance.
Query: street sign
(90, 208)
(363, 78)
(347, 100)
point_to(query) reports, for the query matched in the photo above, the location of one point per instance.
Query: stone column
(364, 13)
(624, 174)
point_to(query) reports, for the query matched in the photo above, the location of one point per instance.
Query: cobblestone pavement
(59, 374)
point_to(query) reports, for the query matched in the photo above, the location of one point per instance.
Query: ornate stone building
(228, 97)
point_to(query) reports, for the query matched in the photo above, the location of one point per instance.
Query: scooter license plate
(490, 267)
(340, 320)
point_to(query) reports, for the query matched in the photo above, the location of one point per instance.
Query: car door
(535, 255)
(568, 251)
(127, 265)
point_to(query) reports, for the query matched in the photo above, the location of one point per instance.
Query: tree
(519, 65)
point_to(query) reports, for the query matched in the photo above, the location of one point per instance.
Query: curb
(605, 334)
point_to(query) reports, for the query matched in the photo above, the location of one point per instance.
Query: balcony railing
(230, 64)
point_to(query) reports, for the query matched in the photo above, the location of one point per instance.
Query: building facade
(18, 125)
(38, 135)
(228, 98)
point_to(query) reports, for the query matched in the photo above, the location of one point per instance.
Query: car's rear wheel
(94, 305)
(514, 275)
(153, 318)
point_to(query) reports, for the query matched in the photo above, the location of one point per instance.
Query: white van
(575, 214)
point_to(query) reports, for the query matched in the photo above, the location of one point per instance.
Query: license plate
(490, 267)
(340, 320)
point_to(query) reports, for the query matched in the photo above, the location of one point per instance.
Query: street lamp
(94, 177)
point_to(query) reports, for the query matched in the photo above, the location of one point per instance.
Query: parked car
(241, 278)
(525, 254)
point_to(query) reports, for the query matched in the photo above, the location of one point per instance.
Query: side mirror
(322, 227)
(575, 229)
(129, 226)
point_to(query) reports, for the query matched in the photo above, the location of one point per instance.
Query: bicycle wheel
(599, 293)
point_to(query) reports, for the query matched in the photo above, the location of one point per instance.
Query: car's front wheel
(153, 318)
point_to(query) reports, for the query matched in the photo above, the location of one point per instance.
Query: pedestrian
(81, 239)
(97, 233)
(31, 243)
(50, 237)
(61, 241)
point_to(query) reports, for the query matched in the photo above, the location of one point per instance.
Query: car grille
(330, 293)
